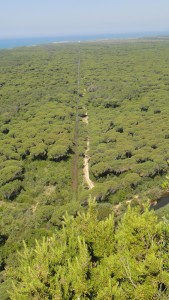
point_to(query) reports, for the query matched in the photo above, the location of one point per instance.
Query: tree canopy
(97, 259)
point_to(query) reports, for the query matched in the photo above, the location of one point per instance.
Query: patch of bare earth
(87, 179)
(85, 119)
(34, 207)
(49, 190)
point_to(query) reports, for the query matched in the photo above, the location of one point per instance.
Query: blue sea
(21, 42)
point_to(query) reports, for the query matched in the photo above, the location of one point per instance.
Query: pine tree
(93, 259)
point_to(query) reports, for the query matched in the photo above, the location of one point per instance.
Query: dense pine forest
(82, 121)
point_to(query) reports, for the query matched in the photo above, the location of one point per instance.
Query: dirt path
(86, 167)
(90, 184)
(76, 133)
(86, 119)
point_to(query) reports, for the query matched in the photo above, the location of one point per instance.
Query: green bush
(92, 259)
(11, 190)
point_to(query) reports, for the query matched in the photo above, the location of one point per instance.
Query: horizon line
(84, 34)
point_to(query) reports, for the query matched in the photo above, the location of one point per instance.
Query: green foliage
(124, 90)
(10, 190)
(57, 152)
(122, 136)
(165, 184)
(10, 173)
(92, 259)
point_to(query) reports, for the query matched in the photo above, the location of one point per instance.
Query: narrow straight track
(76, 154)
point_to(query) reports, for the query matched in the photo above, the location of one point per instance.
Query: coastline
(11, 43)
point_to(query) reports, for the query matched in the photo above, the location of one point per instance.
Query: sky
(33, 18)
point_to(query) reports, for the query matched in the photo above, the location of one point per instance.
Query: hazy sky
(22, 18)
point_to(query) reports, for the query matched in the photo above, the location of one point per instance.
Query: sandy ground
(86, 119)
(86, 167)
(34, 207)
(49, 190)
(86, 159)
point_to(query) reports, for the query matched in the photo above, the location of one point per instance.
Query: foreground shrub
(93, 259)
